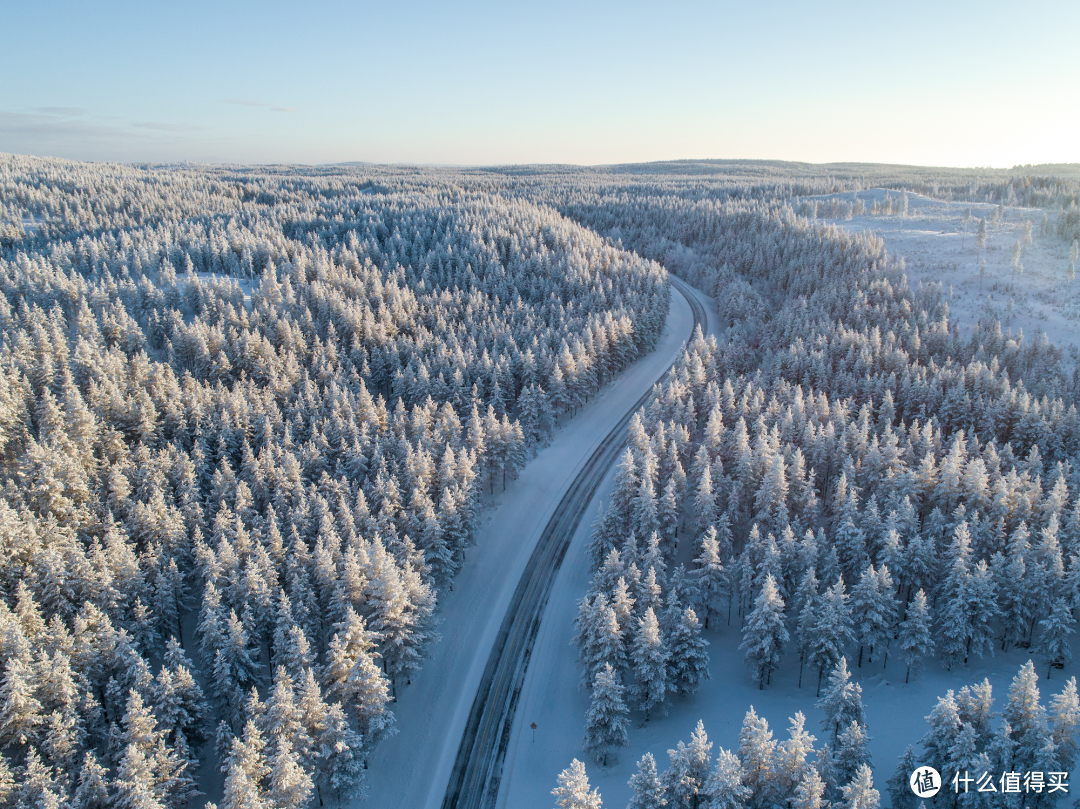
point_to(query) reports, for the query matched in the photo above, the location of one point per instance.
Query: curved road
(477, 772)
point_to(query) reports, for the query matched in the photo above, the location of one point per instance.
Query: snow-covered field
(412, 768)
(938, 245)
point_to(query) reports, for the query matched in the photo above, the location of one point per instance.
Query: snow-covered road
(412, 769)
(550, 696)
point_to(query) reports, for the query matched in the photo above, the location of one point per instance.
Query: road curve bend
(477, 772)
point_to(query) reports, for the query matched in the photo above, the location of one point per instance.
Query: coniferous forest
(251, 419)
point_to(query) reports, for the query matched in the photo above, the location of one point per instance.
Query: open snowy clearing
(938, 245)
(412, 768)
(245, 285)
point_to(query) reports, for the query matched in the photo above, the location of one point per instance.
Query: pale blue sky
(944, 83)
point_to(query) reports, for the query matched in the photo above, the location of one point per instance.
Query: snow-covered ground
(939, 246)
(413, 768)
(31, 223)
(895, 712)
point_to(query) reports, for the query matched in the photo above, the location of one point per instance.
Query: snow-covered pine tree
(1026, 717)
(832, 631)
(340, 768)
(981, 609)
(289, 785)
(245, 771)
(841, 702)
(20, 710)
(852, 751)
(713, 582)
(945, 725)
(648, 792)
(898, 784)
(1010, 573)
(607, 646)
(684, 779)
(724, 788)
(792, 757)
(649, 658)
(916, 641)
(705, 501)
(688, 662)
(806, 602)
(810, 793)
(605, 722)
(1064, 718)
(757, 752)
(1054, 636)
(352, 675)
(765, 633)
(859, 793)
(574, 791)
(874, 609)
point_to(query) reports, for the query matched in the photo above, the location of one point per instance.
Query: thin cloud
(48, 127)
(247, 102)
(89, 138)
(159, 127)
(67, 112)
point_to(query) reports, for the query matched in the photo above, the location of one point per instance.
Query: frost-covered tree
(713, 582)
(765, 633)
(792, 756)
(852, 751)
(874, 609)
(648, 791)
(916, 640)
(859, 793)
(606, 722)
(841, 702)
(649, 660)
(688, 662)
(724, 788)
(352, 675)
(573, 791)
(20, 710)
(898, 784)
(806, 602)
(757, 753)
(1054, 637)
(1064, 718)
(685, 778)
(831, 632)
(810, 793)
(1026, 718)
